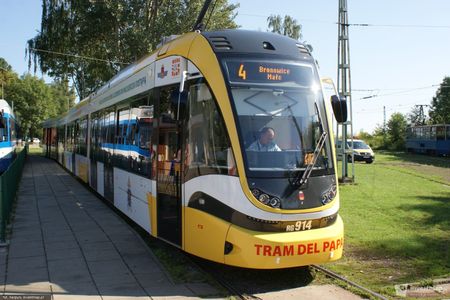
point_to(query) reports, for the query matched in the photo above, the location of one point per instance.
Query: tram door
(169, 169)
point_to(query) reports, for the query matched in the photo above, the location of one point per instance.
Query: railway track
(349, 282)
(239, 294)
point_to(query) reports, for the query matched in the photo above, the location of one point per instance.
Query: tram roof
(256, 42)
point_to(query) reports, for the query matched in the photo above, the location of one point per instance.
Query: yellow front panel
(204, 235)
(263, 250)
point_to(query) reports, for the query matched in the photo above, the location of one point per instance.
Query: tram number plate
(299, 226)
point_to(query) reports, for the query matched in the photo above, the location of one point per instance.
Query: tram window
(3, 134)
(93, 123)
(139, 136)
(100, 133)
(108, 132)
(12, 130)
(208, 148)
(82, 136)
(121, 151)
(76, 147)
(291, 118)
(109, 123)
(70, 133)
(61, 139)
(440, 132)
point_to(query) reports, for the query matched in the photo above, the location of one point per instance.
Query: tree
(288, 27)
(7, 75)
(63, 96)
(376, 140)
(32, 103)
(440, 105)
(396, 131)
(34, 100)
(90, 41)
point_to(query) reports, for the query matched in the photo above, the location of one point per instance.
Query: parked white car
(361, 151)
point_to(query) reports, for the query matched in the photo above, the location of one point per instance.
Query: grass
(396, 222)
(35, 150)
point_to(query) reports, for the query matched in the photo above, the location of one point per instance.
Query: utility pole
(421, 118)
(344, 89)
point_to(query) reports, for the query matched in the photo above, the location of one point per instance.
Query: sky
(398, 62)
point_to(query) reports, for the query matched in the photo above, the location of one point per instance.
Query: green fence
(9, 182)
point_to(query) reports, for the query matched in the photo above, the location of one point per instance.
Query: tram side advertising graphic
(222, 151)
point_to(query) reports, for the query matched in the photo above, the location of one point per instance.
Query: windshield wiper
(319, 147)
(312, 163)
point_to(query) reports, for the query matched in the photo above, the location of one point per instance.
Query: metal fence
(9, 182)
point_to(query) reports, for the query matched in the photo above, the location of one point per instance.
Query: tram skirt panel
(205, 235)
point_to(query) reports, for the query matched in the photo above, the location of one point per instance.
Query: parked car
(361, 151)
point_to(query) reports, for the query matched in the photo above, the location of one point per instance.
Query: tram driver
(265, 143)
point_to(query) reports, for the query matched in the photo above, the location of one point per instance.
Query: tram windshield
(280, 114)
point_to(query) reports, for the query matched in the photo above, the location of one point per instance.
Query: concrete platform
(67, 243)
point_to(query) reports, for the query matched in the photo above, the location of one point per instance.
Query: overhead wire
(404, 92)
(361, 24)
(79, 56)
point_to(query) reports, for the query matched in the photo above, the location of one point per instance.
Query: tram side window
(76, 132)
(109, 124)
(440, 132)
(66, 137)
(3, 128)
(12, 131)
(94, 142)
(122, 148)
(81, 136)
(139, 136)
(70, 134)
(208, 146)
(100, 134)
(108, 132)
(61, 137)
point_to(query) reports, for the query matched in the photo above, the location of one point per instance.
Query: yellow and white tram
(218, 143)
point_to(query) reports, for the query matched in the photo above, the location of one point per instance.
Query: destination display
(268, 72)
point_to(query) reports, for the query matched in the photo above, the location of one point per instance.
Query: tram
(429, 139)
(8, 135)
(218, 143)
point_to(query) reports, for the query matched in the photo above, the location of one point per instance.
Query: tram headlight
(264, 198)
(275, 202)
(256, 193)
(329, 194)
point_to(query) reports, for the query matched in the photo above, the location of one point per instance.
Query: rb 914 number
(299, 226)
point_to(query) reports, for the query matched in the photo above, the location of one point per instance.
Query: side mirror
(339, 106)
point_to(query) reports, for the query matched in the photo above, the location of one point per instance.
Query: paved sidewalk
(67, 243)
